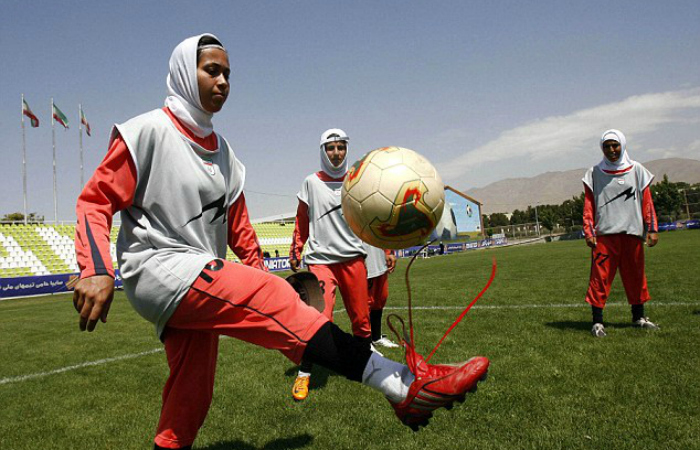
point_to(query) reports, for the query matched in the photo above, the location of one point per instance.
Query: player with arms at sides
(380, 263)
(334, 253)
(618, 216)
(179, 187)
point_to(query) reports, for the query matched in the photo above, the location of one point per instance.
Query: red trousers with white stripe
(612, 252)
(350, 277)
(233, 300)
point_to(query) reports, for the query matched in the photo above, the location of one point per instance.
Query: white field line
(395, 308)
(77, 366)
(582, 305)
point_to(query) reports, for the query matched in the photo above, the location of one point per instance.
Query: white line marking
(583, 305)
(396, 308)
(77, 366)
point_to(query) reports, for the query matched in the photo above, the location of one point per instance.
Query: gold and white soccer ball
(393, 198)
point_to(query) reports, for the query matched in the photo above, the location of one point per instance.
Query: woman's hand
(92, 299)
(294, 264)
(652, 239)
(591, 241)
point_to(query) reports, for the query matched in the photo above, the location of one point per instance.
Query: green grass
(551, 385)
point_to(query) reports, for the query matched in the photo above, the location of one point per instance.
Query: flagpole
(80, 133)
(53, 135)
(24, 164)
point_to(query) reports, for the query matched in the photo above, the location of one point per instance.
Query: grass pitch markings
(533, 306)
(77, 366)
(99, 362)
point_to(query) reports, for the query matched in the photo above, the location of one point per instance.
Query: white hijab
(326, 165)
(623, 162)
(183, 88)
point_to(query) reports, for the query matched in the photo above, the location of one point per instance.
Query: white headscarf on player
(623, 162)
(333, 135)
(183, 89)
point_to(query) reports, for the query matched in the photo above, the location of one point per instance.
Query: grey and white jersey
(330, 238)
(177, 221)
(618, 199)
(375, 261)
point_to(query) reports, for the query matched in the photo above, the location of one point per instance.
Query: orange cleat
(301, 388)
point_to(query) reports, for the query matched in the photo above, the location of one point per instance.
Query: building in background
(461, 217)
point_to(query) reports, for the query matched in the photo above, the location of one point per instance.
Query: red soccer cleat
(437, 386)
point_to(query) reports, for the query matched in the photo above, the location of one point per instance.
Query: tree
(531, 215)
(547, 219)
(668, 199)
(518, 217)
(571, 212)
(19, 217)
(498, 220)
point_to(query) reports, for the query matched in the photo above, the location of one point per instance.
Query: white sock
(303, 374)
(389, 377)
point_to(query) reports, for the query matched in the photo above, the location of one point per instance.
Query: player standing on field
(334, 254)
(380, 263)
(618, 216)
(179, 187)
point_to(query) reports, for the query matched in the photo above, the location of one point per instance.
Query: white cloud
(664, 152)
(563, 138)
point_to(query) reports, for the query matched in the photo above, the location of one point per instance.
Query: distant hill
(555, 187)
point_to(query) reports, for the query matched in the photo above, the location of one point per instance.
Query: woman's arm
(242, 238)
(110, 189)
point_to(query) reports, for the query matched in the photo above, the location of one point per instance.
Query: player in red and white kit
(380, 263)
(334, 253)
(618, 216)
(178, 186)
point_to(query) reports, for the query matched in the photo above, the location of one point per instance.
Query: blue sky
(485, 90)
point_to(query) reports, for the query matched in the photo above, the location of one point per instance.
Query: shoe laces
(416, 362)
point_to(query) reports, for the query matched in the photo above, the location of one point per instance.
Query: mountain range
(553, 188)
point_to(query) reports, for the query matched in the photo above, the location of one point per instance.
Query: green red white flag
(60, 117)
(28, 112)
(84, 121)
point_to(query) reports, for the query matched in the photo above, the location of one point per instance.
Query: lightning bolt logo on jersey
(627, 194)
(219, 207)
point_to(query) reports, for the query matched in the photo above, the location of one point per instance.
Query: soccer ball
(393, 198)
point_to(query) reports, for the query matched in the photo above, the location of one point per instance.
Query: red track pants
(378, 291)
(614, 251)
(237, 301)
(350, 277)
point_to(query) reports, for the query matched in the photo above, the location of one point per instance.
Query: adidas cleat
(437, 386)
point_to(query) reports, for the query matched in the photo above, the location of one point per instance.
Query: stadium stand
(46, 249)
(272, 236)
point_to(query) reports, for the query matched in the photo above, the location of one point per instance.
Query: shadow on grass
(584, 325)
(301, 441)
(319, 376)
(697, 312)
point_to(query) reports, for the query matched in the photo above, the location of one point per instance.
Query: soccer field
(551, 385)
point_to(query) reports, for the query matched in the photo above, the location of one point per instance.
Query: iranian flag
(84, 121)
(28, 112)
(60, 117)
